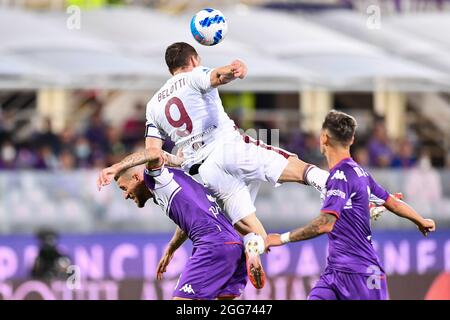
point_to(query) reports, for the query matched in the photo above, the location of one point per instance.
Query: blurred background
(75, 76)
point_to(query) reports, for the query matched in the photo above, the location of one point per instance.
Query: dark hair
(340, 126)
(178, 54)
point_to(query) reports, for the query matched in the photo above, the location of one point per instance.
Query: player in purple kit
(353, 270)
(217, 267)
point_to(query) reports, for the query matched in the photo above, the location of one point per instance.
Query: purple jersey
(348, 189)
(191, 207)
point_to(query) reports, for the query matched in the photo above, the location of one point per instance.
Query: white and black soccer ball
(209, 27)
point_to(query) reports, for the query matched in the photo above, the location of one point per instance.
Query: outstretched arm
(320, 225)
(152, 154)
(179, 237)
(226, 74)
(403, 210)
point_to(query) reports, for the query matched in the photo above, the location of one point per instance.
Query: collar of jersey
(345, 159)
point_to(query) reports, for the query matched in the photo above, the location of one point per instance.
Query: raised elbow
(328, 221)
(327, 228)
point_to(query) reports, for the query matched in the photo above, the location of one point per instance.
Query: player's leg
(236, 201)
(263, 162)
(241, 210)
(299, 171)
(250, 224)
(268, 163)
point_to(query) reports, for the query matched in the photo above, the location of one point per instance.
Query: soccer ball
(209, 27)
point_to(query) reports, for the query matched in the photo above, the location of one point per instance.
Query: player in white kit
(188, 110)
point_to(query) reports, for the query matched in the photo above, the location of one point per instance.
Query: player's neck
(334, 156)
(183, 70)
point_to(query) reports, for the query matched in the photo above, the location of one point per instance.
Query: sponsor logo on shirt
(187, 288)
(339, 175)
(336, 193)
(196, 141)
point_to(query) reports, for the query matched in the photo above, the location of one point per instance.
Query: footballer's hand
(426, 226)
(106, 176)
(273, 240)
(163, 263)
(239, 69)
(180, 154)
(172, 160)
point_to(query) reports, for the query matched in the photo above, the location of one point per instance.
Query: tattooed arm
(153, 155)
(177, 240)
(320, 225)
(148, 155)
(179, 237)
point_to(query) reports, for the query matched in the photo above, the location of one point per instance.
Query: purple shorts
(337, 285)
(213, 271)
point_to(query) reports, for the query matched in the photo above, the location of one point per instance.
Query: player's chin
(140, 203)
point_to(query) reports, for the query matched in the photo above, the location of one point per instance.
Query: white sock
(316, 177)
(255, 237)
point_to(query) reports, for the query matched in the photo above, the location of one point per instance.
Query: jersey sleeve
(338, 193)
(201, 79)
(378, 193)
(151, 128)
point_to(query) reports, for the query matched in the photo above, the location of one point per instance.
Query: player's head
(132, 183)
(181, 55)
(338, 131)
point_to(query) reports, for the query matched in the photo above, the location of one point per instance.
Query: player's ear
(195, 61)
(351, 141)
(323, 137)
(135, 177)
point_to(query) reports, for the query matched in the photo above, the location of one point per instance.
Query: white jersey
(188, 110)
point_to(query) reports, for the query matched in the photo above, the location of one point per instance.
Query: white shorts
(235, 169)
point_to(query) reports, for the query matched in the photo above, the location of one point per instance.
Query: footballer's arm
(403, 210)
(324, 223)
(153, 155)
(179, 237)
(226, 74)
